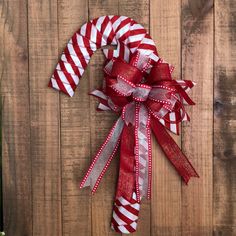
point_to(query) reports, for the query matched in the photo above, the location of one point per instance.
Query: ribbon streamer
(137, 85)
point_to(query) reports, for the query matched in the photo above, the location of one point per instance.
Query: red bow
(147, 101)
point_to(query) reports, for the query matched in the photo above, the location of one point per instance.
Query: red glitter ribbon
(143, 100)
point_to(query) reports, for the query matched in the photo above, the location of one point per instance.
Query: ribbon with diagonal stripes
(138, 85)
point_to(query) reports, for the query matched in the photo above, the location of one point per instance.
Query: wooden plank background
(48, 139)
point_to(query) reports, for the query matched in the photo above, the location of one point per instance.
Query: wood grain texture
(16, 120)
(166, 194)
(197, 136)
(100, 124)
(45, 118)
(224, 119)
(49, 139)
(75, 132)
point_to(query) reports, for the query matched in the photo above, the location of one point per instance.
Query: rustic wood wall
(48, 138)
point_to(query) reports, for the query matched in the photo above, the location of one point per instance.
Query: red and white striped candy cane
(122, 31)
(129, 37)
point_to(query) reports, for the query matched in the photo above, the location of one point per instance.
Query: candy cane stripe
(125, 215)
(94, 34)
(129, 36)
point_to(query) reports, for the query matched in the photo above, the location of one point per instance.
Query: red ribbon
(146, 101)
(126, 180)
(173, 152)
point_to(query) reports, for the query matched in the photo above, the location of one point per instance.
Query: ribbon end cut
(50, 84)
(187, 178)
(81, 185)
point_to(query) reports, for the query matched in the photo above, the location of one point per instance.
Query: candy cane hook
(122, 31)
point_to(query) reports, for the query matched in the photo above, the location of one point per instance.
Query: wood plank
(166, 195)
(224, 119)
(75, 132)
(139, 11)
(197, 65)
(50, 116)
(15, 120)
(45, 118)
(100, 123)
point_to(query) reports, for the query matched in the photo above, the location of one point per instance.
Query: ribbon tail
(126, 207)
(133, 174)
(173, 152)
(142, 152)
(185, 96)
(126, 180)
(103, 157)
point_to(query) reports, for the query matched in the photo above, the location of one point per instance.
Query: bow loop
(127, 71)
(159, 72)
(123, 86)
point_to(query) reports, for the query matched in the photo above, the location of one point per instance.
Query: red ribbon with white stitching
(138, 86)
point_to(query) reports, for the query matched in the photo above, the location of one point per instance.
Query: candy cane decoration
(139, 86)
(106, 30)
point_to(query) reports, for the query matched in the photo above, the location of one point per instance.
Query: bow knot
(148, 99)
(160, 93)
(138, 92)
